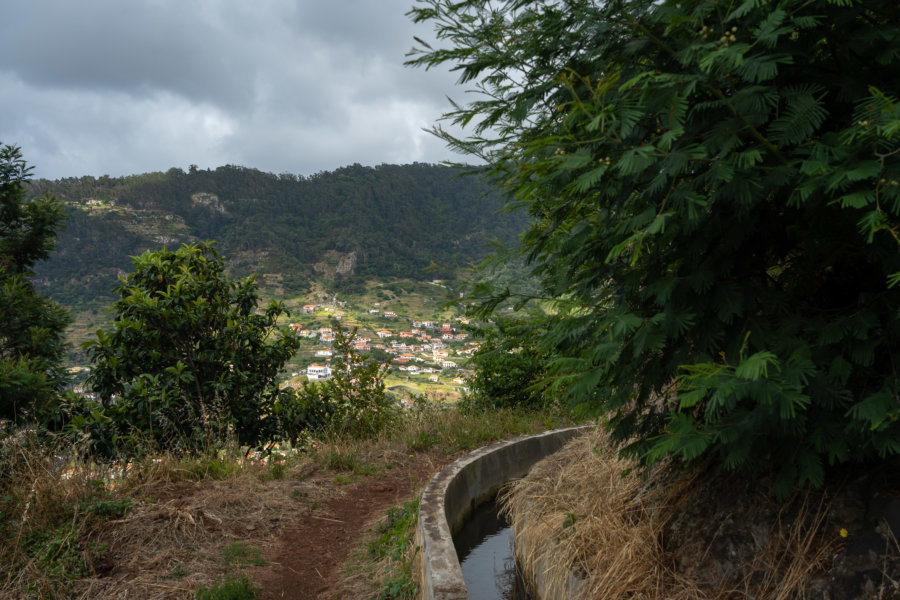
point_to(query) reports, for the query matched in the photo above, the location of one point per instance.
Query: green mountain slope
(414, 221)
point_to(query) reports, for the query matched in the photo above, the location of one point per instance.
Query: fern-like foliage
(714, 188)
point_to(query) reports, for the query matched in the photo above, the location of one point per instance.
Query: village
(426, 356)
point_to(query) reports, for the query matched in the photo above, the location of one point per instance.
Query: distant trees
(32, 326)
(716, 212)
(356, 389)
(413, 221)
(190, 358)
(353, 401)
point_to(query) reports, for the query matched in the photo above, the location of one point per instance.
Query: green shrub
(715, 210)
(32, 327)
(109, 509)
(189, 361)
(352, 402)
(510, 367)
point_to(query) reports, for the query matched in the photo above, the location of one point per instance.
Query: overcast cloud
(94, 87)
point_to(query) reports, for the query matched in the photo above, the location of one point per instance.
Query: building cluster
(426, 348)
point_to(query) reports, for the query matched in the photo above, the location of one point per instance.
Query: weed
(108, 509)
(98, 551)
(277, 470)
(341, 459)
(420, 441)
(210, 467)
(571, 519)
(364, 468)
(241, 554)
(59, 559)
(231, 588)
(393, 544)
(177, 571)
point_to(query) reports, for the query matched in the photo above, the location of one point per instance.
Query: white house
(316, 371)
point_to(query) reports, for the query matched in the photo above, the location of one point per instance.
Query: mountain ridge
(415, 221)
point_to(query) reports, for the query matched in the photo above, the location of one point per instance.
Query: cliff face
(335, 265)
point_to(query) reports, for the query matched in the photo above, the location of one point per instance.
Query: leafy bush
(510, 367)
(189, 360)
(32, 327)
(353, 401)
(716, 212)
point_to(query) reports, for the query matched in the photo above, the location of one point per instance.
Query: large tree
(714, 188)
(189, 358)
(32, 327)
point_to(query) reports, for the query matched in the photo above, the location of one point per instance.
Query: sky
(121, 87)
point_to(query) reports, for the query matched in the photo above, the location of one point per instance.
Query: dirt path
(308, 556)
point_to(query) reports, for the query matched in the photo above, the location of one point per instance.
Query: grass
(75, 528)
(241, 554)
(384, 567)
(419, 385)
(634, 537)
(231, 588)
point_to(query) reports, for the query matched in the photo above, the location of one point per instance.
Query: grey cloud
(112, 87)
(125, 46)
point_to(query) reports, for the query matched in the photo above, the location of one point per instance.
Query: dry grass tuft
(582, 525)
(153, 529)
(171, 546)
(795, 553)
(157, 527)
(577, 513)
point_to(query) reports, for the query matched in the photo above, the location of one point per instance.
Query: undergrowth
(230, 588)
(70, 523)
(394, 549)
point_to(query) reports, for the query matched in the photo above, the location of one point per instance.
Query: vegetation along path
(306, 560)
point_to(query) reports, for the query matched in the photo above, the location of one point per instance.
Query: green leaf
(691, 399)
(859, 199)
(756, 365)
(587, 180)
(804, 113)
(770, 28)
(743, 10)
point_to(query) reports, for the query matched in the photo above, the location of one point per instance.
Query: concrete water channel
(453, 496)
(485, 548)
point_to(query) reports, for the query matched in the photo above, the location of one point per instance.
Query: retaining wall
(452, 495)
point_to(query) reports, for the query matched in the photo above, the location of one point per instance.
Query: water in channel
(484, 546)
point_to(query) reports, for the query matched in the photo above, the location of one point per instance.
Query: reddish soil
(306, 561)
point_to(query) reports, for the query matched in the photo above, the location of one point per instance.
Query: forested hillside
(415, 221)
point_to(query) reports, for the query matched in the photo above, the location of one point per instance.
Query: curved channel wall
(452, 495)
